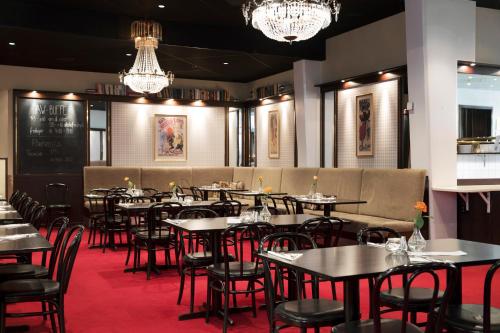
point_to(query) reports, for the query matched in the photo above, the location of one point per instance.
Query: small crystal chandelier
(146, 76)
(290, 20)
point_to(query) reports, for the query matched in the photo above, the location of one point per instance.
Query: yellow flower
(421, 206)
(261, 179)
(315, 178)
(267, 189)
(171, 184)
(126, 179)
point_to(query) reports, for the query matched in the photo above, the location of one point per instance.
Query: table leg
(258, 200)
(299, 209)
(351, 300)
(327, 209)
(456, 296)
(205, 195)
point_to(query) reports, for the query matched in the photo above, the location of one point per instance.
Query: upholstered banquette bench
(390, 193)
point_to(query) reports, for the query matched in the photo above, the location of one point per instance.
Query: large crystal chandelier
(146, 76)
(290, 20)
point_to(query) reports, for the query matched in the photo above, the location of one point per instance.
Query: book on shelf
(272, 90)
(110, 89)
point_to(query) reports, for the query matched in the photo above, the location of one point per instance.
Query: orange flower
(421, 206)
(315, 178)
(126, 179)
(267, 189)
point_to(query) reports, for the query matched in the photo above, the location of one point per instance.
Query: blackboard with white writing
(50, 136)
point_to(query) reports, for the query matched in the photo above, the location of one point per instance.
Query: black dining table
(257, 195)
(215, 226)
(350, 264)
(329, 203)
(9, 214)
(25, 246)
(220, 190)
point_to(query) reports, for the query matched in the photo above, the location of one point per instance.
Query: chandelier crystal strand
(290, 20)
(146, 76)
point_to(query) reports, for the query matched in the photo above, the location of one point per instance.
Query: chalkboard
(50, 136)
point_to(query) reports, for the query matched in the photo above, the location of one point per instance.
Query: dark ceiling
(199, 36)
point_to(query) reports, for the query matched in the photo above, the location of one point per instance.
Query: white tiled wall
(287, 135)
(132, 134)
(478, 166)
(233, 137)
(385, 103)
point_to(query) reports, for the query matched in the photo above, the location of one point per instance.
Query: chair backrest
(112, 200)
(272, 210)
(248, 236)
(25, 205)
(196, 213)
(275, 291)
(118, 190)
(227, 208)
(376, 235)
(290, 204)
(487, 297)
(29, 211)
(149, 191)
(140, 199)
(196, 193)
(324, 230)
(158, 212)
(63, 223)
(69, 249)
(38, 216)
(158, 197)
(413, 272)
(14, 197)
(56, 193)
(18, 201)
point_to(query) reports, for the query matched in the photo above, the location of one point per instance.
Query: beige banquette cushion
(271, 177)
(343, 183)
(297, 180)
(159, 178)
(207, 175)
(107, 177)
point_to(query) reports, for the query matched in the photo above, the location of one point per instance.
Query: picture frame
(273, 138)
(170, 137)
(365, 130)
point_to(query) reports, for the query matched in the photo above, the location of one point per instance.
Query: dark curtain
(474, 122)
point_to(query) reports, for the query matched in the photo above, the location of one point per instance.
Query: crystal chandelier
(146, 76)
(290, 20)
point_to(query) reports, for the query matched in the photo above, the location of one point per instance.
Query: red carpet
(102, 298)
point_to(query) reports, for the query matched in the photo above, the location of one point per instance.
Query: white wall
(287, 135)
(487, 28)
(233, 137)
(385, 126)
(133, 134)
(373, 47)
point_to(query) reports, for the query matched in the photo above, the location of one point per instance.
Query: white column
(306, 74)
(438, 33)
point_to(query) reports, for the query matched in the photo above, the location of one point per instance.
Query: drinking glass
(246, 217)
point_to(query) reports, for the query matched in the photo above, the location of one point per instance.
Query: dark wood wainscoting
(34, 185)
(476, 224)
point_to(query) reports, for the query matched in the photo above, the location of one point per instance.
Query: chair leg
(192, 287)
(60, 315)
(209, 300)
(181, 287)
(91, 227)
(3, 311)
(254, 303)
(105, 243)
(129, 250)
(44, 309)
(234, 295)
(52, 318)
(334, 290)
(226, 308)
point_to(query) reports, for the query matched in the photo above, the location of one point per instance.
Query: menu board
(50, 136)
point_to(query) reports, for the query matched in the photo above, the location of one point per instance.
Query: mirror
(98, 138)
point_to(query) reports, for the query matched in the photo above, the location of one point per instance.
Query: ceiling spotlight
(12, 43)
(470, 77)
(33, 92)
(468, 83)
(380, 72)
(494, 79)
(161, 6)
(472, 64)
(342, 81)
(128, 54)
(225, 63)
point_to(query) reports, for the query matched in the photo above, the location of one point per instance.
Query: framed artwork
(365, 121)
(170, 138)
(273, 140)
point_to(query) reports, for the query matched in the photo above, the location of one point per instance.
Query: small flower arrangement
(172, 186)
(266, 192)
(421, 208)
(261, 181)
(129, 182)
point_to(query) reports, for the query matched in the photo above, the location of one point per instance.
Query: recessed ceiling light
(161, 6)
(470, 77)
(12, 43)
(34, 92)
(128, 54)
(468, 83)
(473, 64)
(225, 63)
(495, 79)
(380, 73)
(342, 81)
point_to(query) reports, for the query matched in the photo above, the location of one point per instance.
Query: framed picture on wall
(170, 138)
(273, 141)
(365, 129)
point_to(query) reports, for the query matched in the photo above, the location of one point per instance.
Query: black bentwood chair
(56, 200)
(47, 290)
(16, 202)
(475, 317)
(14, 197)
(436, 311)
(392, 298)
(194, 262)
(113, 221)
(223, 277)
(302, 312)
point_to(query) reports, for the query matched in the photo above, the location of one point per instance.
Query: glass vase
(417, 242)
(312, 191)
(261, 189)
(265, 214)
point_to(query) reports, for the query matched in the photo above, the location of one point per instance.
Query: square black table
(221, 190)
(9, 214)
(22, 246)
(352, 263)
(257, 195)
(328, 203)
